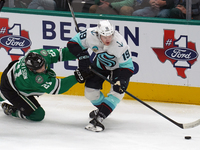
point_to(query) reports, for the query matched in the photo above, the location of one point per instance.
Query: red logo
(14, 40)
(181, 53)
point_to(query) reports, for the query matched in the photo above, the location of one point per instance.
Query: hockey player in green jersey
(32, 76)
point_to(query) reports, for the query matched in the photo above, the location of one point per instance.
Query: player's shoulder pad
(120, 41)
(44, 52)
(118, 37)
(92, 31)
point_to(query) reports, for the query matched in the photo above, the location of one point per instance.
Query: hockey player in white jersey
(112, 58)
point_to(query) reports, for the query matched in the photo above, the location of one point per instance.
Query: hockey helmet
(34, 61)
(105, 28)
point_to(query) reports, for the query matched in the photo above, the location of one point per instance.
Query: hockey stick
(181, 125)
(72, 12)
(1, 4)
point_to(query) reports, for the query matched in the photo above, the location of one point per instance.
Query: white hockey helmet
(105, 28)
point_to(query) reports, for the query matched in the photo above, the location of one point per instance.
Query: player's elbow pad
(126, 73)
(74, 48)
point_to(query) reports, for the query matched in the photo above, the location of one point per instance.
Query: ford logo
(14, 41)
(181, 53)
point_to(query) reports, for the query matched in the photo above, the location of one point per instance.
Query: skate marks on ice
(130, 126)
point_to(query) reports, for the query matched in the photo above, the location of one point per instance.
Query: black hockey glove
(81, 76)
(84, 61)
(120, 86)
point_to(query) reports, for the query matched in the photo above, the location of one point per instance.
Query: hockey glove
(120, 86)
(81, 76)
(84, 61)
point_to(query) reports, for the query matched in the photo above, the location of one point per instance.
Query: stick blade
(191, 125)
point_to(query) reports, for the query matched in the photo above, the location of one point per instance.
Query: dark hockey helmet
(34, 61)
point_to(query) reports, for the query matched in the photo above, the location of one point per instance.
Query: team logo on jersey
(105, 59)
(93, 32)
(43, 52)
(39, 79)
(120, 44)
(95, 49)
(14, 40)
(181, 53)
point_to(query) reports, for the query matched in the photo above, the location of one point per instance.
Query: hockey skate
(93, 113)
(95, 125)
(8, 109)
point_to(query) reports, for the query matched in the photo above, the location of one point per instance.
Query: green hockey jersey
(30, 83)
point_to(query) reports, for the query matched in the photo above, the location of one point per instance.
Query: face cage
(99, 36)
(34, 71)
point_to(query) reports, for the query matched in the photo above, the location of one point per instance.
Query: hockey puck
(188, 137)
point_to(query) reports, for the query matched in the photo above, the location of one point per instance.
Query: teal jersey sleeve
(80, 38)
(128, 64)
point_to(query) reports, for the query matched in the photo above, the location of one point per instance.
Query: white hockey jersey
(116, 55)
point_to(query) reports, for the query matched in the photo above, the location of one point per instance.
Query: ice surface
(132, 126)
